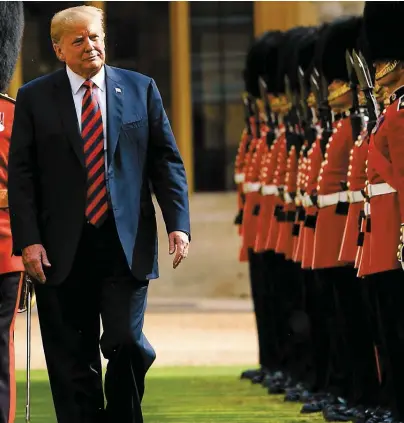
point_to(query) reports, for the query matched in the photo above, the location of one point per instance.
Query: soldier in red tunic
(339, 292)
(258, 148)
(385, 188)
(11, 267)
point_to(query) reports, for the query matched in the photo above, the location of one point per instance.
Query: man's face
(82, 48)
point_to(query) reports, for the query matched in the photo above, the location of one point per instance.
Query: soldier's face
(82, 48)
(390, 78)
(343, 101)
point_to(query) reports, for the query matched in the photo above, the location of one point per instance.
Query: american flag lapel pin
(118, 90)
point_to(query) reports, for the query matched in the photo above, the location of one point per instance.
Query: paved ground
(186, 332)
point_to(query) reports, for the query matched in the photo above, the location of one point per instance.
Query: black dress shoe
(280, 386)
(293, 395)
(313, 407)
(338, 413)
(258, 379)
(318, 405)
(250, 374)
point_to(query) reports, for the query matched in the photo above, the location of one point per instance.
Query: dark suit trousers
(10, 286)
(99, 284)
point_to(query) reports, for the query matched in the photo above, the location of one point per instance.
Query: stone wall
(212, 269)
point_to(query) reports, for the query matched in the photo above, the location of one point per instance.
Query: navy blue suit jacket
(47, 175)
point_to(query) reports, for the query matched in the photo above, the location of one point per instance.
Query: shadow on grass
(191, 395)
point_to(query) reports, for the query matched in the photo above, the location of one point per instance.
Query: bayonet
(366, 85)
(257, 119)
(303, 95)
(320, 84)
(355, 116)
(264, 95)
(247, 113)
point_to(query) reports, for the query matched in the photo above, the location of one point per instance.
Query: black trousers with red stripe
(9, 297)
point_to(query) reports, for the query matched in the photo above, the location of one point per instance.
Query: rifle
(247, 113)
(306, 113)
(320, 90)
(257, 119)
(267, 106)
(355, 116)
(271, 124)
(366, 85)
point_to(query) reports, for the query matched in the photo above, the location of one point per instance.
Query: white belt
(380, 189)
(332, 199)
(269, 190)
(251, 187)
(306, 201)
(288, 199)
(239, 178)
(355, 196)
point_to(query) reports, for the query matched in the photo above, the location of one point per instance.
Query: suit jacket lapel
(115, 97)
(65, 103)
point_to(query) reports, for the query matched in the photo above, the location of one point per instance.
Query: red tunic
(279, 180)
(8, 262)
(330, 225)
(314, 159)
(300, 184)
(269, 164)
(356, 182)
(284, 244)
(386, 164)
(238, 171)
(252, 199)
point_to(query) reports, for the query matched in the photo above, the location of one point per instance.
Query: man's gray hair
(64, 19)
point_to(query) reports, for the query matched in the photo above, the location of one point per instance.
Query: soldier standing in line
(251, 191)
(385, 170)
(11, 267)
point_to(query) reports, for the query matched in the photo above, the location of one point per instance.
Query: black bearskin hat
(286, 49)
(256, 61)
(382, 24)
(11, 30)
(302, 55)
(271, 53)
(340, 35)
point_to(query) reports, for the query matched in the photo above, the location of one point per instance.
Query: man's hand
(33, 257)
(179, 244)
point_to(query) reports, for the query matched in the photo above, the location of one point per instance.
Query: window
(221, 35)
(138, 38)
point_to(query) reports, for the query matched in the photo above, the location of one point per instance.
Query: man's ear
(59, 52)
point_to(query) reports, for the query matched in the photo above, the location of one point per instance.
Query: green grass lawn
(185, 394)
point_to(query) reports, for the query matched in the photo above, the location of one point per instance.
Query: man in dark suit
(87, 141)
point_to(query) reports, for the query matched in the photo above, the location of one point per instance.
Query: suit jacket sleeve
(21, 179)
(165, 166)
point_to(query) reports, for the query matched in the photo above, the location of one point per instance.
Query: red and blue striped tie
(93, 137)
